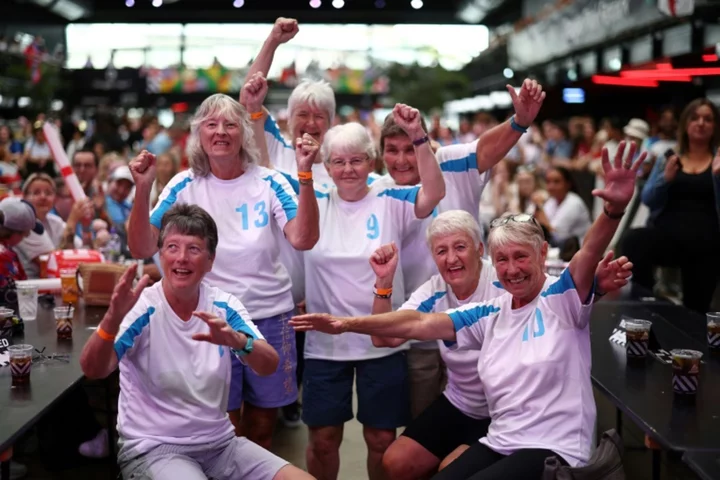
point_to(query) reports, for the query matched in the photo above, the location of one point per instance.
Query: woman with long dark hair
(683, 194)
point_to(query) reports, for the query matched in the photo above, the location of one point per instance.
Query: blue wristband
(516, 127)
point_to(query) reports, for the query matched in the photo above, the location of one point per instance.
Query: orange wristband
(383, 292)
(256, 115)
(104, 335)
(304, 175)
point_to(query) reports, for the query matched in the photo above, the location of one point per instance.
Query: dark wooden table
(50, 380)
(705, 465)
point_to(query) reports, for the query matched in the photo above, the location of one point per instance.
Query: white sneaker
(97, 447)
(17, 471)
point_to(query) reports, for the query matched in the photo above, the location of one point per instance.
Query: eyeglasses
(354, 162)
(519, 218)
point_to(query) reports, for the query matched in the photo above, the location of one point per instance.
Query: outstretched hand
(320, 322)
(527, 102)
(220, 333)
(613, 274)
(124, 296)
(620, 177)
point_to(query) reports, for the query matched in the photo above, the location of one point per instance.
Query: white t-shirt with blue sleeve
(338, 275)
(251, 212)
(534, 365)
(173, 389)
(464, 388)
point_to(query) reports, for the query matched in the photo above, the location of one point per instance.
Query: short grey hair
(189, 220)
(510, 232)
(348, 138)
(454, 221)
(220, 105)
(318, 94)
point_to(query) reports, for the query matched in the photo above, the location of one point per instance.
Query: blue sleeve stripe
(169, 201)
(458, 165)
(428, 305)
(372, 177)
(234, 319)
(319, 194)
(287, 202)
(469, 317)
(127, 340)
(272, 128)
(499, 285)
(561, 285)
(294, 184)
(404, 194)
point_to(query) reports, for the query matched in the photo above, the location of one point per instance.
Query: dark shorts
(441, 428)
(382, 390)
(270, 391)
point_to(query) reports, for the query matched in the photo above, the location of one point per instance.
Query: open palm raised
(620, 178)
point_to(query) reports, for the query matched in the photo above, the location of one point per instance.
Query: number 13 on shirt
(373, 227)
(261, 215)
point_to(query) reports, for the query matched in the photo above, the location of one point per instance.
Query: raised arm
(619, 187)
(252, 97)
(142, 236)
(282, 32)
(432, 188)
(384, 262)
(495, 144)
(98, 358)
(408, 324)
(303, 231)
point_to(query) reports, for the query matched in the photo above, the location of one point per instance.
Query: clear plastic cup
(27, 301)
(6, 323)
(20, 364)
(713, 329)
(637, 335)
(686, 369)
(64, 322)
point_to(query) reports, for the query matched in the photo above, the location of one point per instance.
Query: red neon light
(623, 82)
(664, 66)
(676, 72)
(710, 58)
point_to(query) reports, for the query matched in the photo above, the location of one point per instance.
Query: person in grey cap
(17, 220)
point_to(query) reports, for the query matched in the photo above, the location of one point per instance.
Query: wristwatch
(246, 350)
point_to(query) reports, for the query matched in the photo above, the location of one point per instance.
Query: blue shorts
(382, 390)
(272, 391)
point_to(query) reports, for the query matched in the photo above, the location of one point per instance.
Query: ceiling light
(338, 3)
(129, 3)
(315, 3)
(416, 4)
(238, 3)
(157, 3)
(508, 73)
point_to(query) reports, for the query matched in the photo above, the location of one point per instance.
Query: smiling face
(520, 269)
(400, 159)
(458, 260)
(185, 259)
(309, 119)
(220, 138)
(349, 171)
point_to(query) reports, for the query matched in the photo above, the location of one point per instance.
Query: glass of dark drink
(713, 330)
(63, 321)
(686, 369)
(637, 336)
(20, 364)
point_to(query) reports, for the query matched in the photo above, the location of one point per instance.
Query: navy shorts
(382, 390)
(270, 391)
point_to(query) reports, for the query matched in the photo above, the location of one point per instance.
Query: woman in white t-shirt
(534, 342)
(355, 219)
(39, 191)
(257, 209)
(564, 215)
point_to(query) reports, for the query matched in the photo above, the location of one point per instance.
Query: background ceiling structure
(493, 12)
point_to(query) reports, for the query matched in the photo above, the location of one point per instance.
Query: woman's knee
(403, 463)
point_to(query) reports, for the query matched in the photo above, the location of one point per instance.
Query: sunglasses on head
(519, 218)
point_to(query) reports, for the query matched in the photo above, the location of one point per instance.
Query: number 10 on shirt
(260, 215)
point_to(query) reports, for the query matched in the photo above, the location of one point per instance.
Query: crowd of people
(300, 262)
